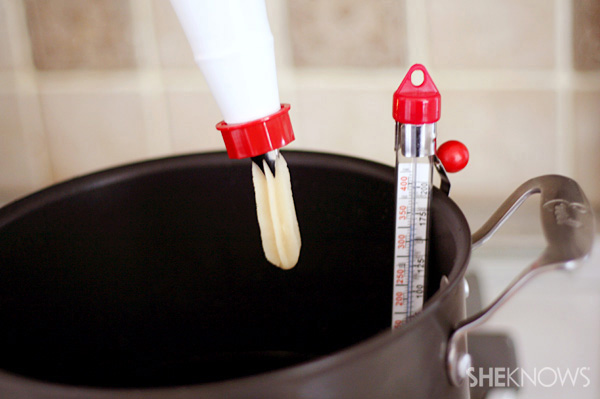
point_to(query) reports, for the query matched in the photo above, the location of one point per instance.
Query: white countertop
(554, 320)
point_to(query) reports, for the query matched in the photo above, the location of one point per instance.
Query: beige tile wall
(365, 34)
(73, 34)
(586, 34)
(88, 87)
(77, 124)
(5, 52)
(492, 34)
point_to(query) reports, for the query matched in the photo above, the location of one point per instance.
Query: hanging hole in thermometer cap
(417, 78)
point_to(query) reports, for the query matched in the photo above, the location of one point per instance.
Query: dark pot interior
(153, 274)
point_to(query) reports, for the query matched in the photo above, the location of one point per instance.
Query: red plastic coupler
(417, 105)
(250, 139)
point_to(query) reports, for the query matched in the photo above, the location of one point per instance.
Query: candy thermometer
(416, 110)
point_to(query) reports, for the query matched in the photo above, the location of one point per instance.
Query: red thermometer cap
(417, 105)
(250, 139)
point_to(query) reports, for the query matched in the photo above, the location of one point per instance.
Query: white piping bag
(233, 46)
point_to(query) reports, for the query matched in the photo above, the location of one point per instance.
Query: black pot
(149, 281)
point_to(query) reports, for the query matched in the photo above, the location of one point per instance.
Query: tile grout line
(150, 81)
(564, 97)
(278, 15)
(24, 74)
(416, 33)
(284, 54)
(455, 79)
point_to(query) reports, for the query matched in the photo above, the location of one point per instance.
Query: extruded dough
(276, 214)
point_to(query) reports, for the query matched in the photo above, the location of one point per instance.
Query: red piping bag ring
(417, 105)
(250, 139)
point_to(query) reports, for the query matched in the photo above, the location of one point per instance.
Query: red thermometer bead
(454, 155)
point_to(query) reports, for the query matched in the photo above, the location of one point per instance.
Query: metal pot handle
(568, 225)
